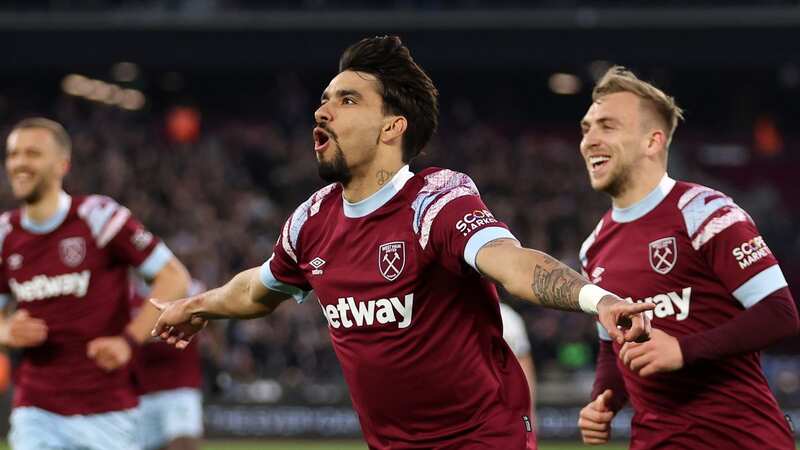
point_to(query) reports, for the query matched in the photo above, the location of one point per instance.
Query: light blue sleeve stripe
(755, 289)
(269, 280)
(481, 238)
(4, 300)
(602, 333)
(158, 258)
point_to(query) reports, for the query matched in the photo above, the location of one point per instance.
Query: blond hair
(58, 132)
(620, 79)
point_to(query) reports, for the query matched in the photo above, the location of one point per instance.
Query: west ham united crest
(72, 251)
(392, 259)
(663, 255)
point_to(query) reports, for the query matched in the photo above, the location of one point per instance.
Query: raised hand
(625, 321)
(595, 418)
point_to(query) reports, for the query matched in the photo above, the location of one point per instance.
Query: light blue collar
(645, 205)
(64, 203)
(379, 198)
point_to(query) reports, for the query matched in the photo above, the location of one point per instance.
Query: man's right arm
(608, 396)
(244, 297)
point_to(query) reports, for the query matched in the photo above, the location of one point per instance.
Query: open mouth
(597, 162)
(22, 176)
(321, 140)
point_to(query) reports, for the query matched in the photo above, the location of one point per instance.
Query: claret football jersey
(700, 258)
(72, 272)
(415, 326)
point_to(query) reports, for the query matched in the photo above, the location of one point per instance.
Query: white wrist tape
(589, 296)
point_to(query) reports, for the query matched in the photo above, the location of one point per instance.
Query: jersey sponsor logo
(663, 254)
(392, 259)
(749, 252)
(666, 304)
(349, 313)
(72, 251)
(15, 261)
(41, 287)
(474, 220)
(316, 263)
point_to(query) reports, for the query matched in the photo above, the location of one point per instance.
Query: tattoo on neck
(384, 176)
(556, 285)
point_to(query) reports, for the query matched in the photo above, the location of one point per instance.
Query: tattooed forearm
(556, 285)
(384, 176)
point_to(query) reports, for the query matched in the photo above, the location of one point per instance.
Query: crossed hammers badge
(392, 259)
(663, 255)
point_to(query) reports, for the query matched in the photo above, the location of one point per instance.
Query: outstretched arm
(541, 279)
(244, 297)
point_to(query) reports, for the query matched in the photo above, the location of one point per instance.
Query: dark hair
(56, 130)
(405, 88)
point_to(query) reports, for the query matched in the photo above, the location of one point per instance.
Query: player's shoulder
(436, 180)
(706, 211)
(436, 188)
(317, 202)
(103, 215)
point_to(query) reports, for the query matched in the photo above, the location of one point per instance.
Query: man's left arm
(541, 279)
(461, 229)
(170, 283)
(131, 243)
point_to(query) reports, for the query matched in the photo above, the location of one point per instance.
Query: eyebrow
(342, 93)
(585, 123)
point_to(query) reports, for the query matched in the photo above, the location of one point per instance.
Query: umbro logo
(316, 263)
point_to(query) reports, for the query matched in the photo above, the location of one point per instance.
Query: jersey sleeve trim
(440, 188)
(759, 286)
(717, 225)
(158, 258)
(436, 208)
(113, 226)
(293, 226)
(602, 333)
(104, 216)
(272, 283)
(5, 227)
(5, 299)
(481, 238)
(587, 244)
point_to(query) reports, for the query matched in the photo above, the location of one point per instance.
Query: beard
(618, 182)
(34, 195)
(335, 171)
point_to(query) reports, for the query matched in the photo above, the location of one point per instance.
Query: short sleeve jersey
(700, 258)
(416, 328)
(72, 272)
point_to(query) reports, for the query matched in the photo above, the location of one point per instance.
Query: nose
(589, 141)
(323, 113)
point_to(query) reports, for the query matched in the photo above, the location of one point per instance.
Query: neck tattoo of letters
(384, 176)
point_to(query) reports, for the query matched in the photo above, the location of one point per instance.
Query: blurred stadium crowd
(218, 186)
